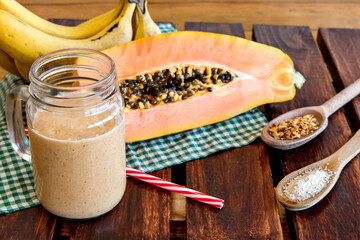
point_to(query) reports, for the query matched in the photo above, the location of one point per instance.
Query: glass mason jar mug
(76, 132)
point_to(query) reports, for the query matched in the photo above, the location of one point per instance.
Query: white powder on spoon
(307, 184)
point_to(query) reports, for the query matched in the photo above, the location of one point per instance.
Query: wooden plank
(143, 213)
(31, 223)
(341, 48)
(234, 29)
(240, 176)
(337, 216)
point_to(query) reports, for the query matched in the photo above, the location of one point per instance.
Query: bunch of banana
(24, 36)
(145, 26)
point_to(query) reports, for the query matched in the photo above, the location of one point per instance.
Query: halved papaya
(178, 81)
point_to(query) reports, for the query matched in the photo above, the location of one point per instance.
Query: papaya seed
(170, 85)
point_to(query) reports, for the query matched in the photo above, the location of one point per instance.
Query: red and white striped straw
(187, 192)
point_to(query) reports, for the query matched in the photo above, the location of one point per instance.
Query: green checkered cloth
(16, 179)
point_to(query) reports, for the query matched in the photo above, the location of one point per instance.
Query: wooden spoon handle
(340, 99)
(347, 152)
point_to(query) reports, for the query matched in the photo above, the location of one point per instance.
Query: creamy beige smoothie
(78, 163)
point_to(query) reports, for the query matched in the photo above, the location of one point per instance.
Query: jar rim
(37, 80)
(53, 74)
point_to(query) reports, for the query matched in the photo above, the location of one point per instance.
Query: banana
(135, 21)
(7, 63)
(146, 27)
(23, 69)
(26, 43)
(83, 30)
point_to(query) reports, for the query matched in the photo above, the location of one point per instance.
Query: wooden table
(243, 177)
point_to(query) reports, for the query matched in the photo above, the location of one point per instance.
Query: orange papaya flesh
(226, 76)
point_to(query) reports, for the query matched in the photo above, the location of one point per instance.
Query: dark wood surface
(31, 223)
(145, 208)
(243, 177)
(341, 48)
(337, 216)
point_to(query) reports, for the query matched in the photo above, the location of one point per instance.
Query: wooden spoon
(335, 163)
(321, 113)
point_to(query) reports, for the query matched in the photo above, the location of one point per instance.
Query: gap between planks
(177, 207)
(177, 216)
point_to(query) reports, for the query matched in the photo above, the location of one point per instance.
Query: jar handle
(15, 123)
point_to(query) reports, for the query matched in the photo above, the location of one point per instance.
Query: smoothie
(78, 163)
